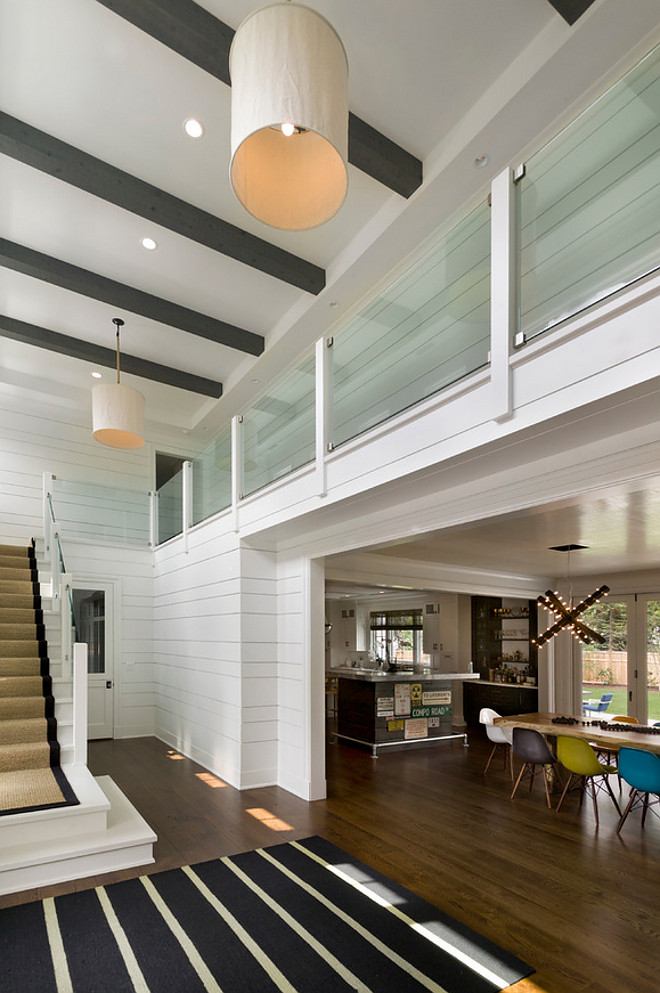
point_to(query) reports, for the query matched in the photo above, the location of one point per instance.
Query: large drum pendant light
(118, 411)
(289, 117)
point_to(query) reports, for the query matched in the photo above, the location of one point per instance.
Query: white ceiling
(446, 80)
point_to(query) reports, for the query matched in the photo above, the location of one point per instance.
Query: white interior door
(93, 607)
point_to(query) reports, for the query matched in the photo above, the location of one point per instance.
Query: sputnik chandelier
(566, 615)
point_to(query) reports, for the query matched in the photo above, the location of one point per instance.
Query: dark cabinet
(506, 700)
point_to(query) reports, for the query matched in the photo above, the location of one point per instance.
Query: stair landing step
(126, 842)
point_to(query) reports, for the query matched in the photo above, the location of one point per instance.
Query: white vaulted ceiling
(446, 81)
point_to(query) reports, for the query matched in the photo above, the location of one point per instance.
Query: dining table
(601, 731)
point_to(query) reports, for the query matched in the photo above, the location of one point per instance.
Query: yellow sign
(416, 692)
(395, 725)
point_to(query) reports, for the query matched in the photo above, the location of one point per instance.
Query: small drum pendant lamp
(289, 117)
(118, 411)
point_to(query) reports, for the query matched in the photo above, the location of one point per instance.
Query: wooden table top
(585, 728)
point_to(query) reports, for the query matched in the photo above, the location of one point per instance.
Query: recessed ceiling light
(193, 128)
(255, 380)
(481, 161)
(333, 304)
(97, 375)
(149, 244)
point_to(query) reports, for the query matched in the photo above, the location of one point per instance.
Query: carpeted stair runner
(29, 750)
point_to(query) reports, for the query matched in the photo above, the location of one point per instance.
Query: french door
(627, 665)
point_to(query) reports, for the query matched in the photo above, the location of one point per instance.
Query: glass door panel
(649, 670)
(605, 667)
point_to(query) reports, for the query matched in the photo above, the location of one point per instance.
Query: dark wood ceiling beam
(201, 38)
(56, 158)
(571, 10)
(123, 297)
(53, 341)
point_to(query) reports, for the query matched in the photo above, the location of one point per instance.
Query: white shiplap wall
(48, 438)
(197, 652)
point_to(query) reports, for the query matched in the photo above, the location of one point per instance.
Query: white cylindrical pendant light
(118, 415)
(289, 67)
(118, 411)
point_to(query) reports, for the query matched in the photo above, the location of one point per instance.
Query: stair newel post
(80, 703)
(187, 502)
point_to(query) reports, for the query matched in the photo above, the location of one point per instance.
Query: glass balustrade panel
(590, 204)
(427, 330)
(170, 508)
(212, 478)
(279, 430)
(90, 510)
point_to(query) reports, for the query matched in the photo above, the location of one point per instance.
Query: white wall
(129, 571)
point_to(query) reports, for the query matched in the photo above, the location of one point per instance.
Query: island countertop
(382, 676)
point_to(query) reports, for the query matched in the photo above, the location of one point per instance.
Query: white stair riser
(74, 867)
(76, 822)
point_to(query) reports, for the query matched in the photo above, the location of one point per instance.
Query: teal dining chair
(641, 770)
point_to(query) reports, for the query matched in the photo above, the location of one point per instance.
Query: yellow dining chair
(586, 772)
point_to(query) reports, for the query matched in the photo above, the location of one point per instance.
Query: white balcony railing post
(503, 291)
(187, 501)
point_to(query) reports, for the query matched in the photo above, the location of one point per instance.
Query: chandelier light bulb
(288, 129)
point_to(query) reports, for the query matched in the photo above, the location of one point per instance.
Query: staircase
(28, 729)
(102, 831)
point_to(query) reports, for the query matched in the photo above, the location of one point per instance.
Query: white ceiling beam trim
(123, 297)
(86, 351)
(56, 158)
(203, 39)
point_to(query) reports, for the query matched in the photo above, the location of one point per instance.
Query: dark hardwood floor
(580, 905)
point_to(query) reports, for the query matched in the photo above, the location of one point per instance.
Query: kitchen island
(382, 709)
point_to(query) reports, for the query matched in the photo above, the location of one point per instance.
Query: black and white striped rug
(301, 917)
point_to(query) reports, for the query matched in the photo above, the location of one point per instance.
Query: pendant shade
(118, 416)
(288, 67)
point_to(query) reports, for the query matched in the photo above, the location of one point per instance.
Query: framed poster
(402, 699)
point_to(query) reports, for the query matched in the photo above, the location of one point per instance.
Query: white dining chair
(499, 736)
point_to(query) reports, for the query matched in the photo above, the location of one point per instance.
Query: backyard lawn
(619, 703)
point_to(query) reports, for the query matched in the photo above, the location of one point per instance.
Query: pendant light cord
(117, 321)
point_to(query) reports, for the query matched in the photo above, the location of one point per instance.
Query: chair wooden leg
(532, 776)
(645, 808)
(633, 794)
(545, 783)
(589, 782)
(614, 800)
(564, 791)
(583, 787)
(520, 774)
(490, 757)
(511, 761)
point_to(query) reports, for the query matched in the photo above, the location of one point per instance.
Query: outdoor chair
(597, 706)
